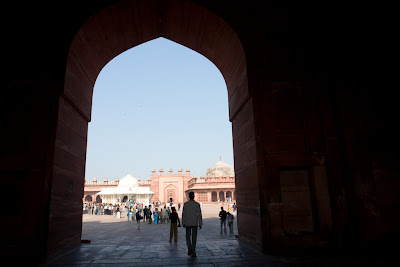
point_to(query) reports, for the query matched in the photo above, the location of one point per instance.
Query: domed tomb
(219, 169)
(128, 181)
(128, 189)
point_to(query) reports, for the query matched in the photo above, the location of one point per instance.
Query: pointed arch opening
(116, 29)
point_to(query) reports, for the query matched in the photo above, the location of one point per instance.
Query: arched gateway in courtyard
(135, 22)
(315, 150)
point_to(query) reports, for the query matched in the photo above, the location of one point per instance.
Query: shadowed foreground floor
(118, 242)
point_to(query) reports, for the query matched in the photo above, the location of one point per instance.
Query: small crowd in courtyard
(163, 213)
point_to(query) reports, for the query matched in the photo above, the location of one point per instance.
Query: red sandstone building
(217, 186)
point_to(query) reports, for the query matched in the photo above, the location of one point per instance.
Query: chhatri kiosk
(128, 190)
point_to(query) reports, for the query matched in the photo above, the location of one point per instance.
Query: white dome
(220, 169)
(128, 181)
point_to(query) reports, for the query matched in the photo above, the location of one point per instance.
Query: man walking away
(222, 215)
(145, 211)
(149, 214)
(191, 219)
(138, 218)
(230, 222)
(174, 227)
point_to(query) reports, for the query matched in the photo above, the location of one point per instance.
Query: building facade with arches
(118, 191)
(217, 186)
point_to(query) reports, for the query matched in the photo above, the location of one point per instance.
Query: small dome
(116, 180)
(105, 180)
(170, 170)
(220, 169)
(161, 170)
(194, 176)
(202, 176)
(153, 170)
(187, 170)
(128, 181)
(180, 170)
(94, 179)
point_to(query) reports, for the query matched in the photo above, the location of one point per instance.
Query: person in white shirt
(118, 213)
(191, 219)
(164, 214)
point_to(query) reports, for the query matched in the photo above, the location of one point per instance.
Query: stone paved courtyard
(117, 242)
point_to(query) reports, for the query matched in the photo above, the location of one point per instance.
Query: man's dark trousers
(223, 223)
(191, 238)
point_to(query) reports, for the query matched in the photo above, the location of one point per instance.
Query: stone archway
(170, 191)
(184, 22)
(214, 196)
(88, 199)
(229, 196)
(297, 112)
(98, 199)
(221, 196)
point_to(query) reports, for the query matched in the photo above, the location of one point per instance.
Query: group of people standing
(161, 215)
(192, 219)
(105, 209)
(164, 215)
(226, 217)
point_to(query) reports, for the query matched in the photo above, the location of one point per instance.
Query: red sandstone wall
(155, 179)
(69, 169)
(154, 187)
(296, 66)
(247, 175)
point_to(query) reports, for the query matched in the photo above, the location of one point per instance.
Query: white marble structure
(128, 189)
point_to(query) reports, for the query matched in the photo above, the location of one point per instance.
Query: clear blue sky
(158, 105)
